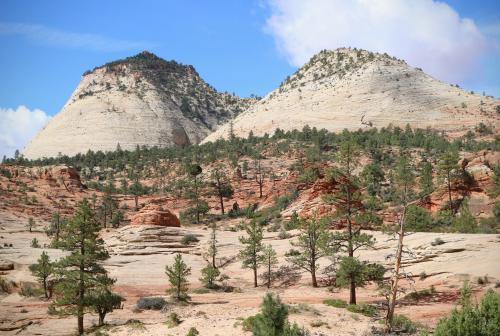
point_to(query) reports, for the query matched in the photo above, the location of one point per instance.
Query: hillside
(350, 88)
(141, 100)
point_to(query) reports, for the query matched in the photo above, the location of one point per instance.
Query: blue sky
(241, 46)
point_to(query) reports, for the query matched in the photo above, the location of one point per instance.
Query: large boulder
(63, 174)
(154, 214)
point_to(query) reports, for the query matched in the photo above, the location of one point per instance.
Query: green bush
(403, 324)
(173, 320)
(337, 303)
(363, 308)
(193, 332)
(189, 238)
(473, 320)
(151, 303)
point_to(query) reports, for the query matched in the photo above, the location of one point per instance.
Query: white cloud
(425, 33)
(18, 127)
(48, 36)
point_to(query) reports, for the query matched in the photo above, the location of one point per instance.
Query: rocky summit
(140, 100)
(352, 88)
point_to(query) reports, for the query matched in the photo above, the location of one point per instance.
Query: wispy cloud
(18, 127)
(40, 34)
(426, 33)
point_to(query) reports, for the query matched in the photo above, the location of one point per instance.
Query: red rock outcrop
(154, 214)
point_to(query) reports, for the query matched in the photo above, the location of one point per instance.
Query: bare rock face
(351, 89)
(154, 214)
(63, 174)
(138, 101)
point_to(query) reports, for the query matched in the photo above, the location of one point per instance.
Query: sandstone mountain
(351, 88)
(140, 100)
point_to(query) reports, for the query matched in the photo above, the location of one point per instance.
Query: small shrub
(292, 253)
(4, 285)
(248, 323)
(402, 323)
(30, 291)
(422, 275)
(303, 308)
(337, 303)
(35, 243)
(189, 238)
(318, 323)
(173, 320)
(193, 332)
(364, 309)
(283, 234)
(483, 280)
(438, 241)
(151, 303)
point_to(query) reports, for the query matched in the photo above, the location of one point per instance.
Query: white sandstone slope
(350, 88)
(141, 100)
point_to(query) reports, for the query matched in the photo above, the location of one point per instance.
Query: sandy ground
(461, 257)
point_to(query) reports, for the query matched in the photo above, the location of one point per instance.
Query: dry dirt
(139, 269)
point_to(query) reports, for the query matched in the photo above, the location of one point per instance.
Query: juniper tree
(42, 270)
(81, 271)
(269, 260)
(177, 276)
(251, 253)
(313, 244)
(221, 185)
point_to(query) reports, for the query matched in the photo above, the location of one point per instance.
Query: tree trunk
(255, 276)
(136, 199)
(313, 276)
(101, 319)
(395, 277)
(45, 288)
(352, 297)
(269, 273)
(221, 203)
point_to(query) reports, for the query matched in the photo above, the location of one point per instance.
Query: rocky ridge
(352, 88)
(142, 100)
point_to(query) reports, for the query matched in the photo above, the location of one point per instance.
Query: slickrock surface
(141, 100)
(354, 89)
(155, 214)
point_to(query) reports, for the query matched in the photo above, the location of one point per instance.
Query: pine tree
(137, 190)
(42, 270)
(448, 168)
(31, 224)
(81, 271)
(313, 244)
(251, 254)
(221, 185)
(103, 300)
(269, 259)
(198, 205)
(177, 276)
(426, 183)
(272, 320)
(350, 210)
(259, 174)
(209, 275)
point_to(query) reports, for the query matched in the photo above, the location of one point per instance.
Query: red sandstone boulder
(154, 214)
